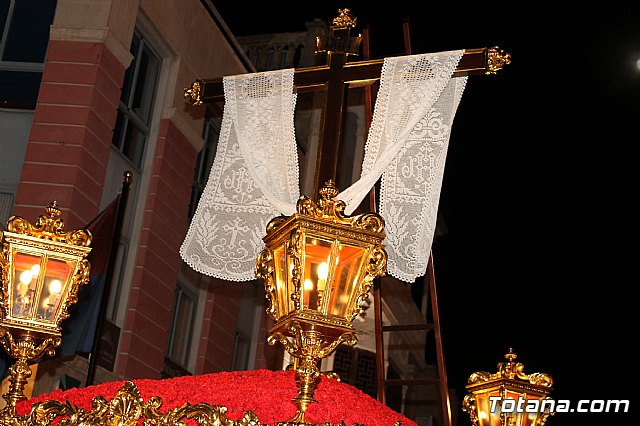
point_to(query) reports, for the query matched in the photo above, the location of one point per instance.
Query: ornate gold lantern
(41, 267)
(318, 267)
(509, 397)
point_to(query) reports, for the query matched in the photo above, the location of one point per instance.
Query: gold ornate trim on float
(128, 408)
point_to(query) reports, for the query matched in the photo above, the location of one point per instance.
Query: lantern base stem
(307, 377)
(25, 348)
(308, 346)
(19, 374)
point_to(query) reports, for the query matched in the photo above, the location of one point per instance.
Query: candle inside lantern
(27, 273)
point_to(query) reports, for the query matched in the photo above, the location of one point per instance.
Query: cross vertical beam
(336, 90)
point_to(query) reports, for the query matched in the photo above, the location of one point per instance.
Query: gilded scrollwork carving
(496, 59)
(369, 221)
(470, 406)
(377, 265)
(478, 377)
(275, 223)
(327, 208)
(310, 343)
(27, 346)
(544, 416)
(344, 19)
(4, 275)
(540, 379)
(49, 227)
(511, 370)
(193, 94)
(294, 253)
(127, 408)
(264, 270)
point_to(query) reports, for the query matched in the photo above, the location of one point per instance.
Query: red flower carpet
(266, 393)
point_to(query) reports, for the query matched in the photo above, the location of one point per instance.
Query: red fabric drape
(267, 393)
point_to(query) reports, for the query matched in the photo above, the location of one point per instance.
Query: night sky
(540, 187)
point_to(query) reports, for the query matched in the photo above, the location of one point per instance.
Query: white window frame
(183, 290)
(141, 178)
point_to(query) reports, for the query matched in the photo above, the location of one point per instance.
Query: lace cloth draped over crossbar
(255, 172)
(407, 145)
(254, 176)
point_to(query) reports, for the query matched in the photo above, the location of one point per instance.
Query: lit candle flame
(26, 276)
(55, 287)
(323, 271)
(308, 284)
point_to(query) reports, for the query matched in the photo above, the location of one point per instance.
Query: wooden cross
(336, 78)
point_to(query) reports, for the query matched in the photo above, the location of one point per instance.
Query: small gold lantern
(318, 267)
(41, 269)
(339, 38)
(509, 397)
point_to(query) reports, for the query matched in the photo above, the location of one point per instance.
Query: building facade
(95, 89)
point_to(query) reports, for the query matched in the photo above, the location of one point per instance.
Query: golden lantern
(318, 267)
(42, 267)
(509, 397)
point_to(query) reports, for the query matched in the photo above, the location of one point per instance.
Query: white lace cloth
(254, 177)
(407, 145)
(255, 172)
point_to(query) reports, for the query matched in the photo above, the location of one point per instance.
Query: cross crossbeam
(335, 79)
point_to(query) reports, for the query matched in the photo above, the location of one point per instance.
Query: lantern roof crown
(329, 211)
(49, 226)
(510, 371)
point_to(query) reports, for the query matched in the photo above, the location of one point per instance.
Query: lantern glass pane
(346, 280)
(25, 284)
(317, 258)
(516, 417)
(485, 416)
(533, 408)
(57, 277)
(282, 281)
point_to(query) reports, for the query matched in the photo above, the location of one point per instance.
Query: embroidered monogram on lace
(407, 145)
(255, 172)
(254, 176)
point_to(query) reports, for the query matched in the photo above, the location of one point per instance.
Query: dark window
(241, 347)
(24, 37)
(356, 367)
(19, 89)
(284, 57)
(297, 56)
(136, 103)
(210, 134)
(270, 56)
(184, 316)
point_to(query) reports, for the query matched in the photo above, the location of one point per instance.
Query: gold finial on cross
(344, 19)
(339, 38)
